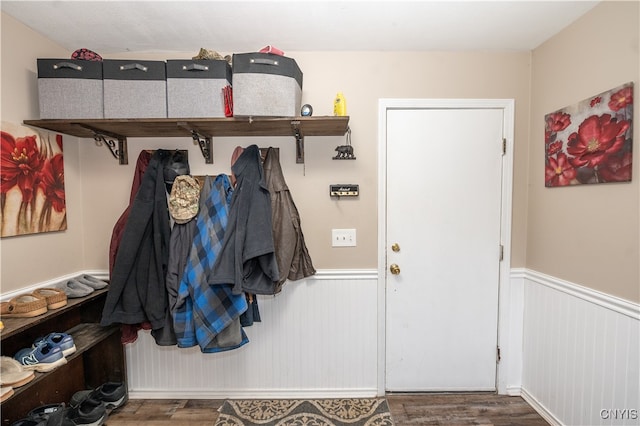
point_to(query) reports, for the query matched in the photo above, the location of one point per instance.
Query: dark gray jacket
(247, 258)
(137, 291)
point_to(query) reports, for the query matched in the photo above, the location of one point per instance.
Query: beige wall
(586, 234)
(98, 188)
(26, 260)
(364, 78)
(103, 186)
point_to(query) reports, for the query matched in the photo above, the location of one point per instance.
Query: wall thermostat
(344, 190)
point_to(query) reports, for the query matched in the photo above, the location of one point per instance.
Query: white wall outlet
(343, 237)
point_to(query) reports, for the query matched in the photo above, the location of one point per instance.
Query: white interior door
(443, 207)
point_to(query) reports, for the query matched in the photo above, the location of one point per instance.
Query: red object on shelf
(271, 49)
(228, 101)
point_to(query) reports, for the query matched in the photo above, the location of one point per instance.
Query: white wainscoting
(317, 338)
(570, 351)
(581, 354)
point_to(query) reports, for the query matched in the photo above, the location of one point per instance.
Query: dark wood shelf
(85, 336)
(99, 355)
(114, 132)
(13, 326)
(212, 127)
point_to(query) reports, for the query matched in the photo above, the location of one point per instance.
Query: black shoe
(45, 411)
(45, 415)
(113, 394)
(87, 413)
(30, 422)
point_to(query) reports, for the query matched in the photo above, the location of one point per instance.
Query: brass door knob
(395, 247)
(395, 269)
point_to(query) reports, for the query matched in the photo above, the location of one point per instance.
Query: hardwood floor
(462, 409)
(164, 412)
(458, 409)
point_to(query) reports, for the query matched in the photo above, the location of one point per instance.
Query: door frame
(508, 366)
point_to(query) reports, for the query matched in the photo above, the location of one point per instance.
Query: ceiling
(111, 27)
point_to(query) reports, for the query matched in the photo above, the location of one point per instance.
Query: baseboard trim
(252, 393)
(514, 390)
(540, 409)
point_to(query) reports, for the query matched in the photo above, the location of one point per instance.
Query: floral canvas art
(32, 197)
(590, 142)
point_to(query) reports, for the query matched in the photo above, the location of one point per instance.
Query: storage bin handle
(195, 67)
(67, 65)
(263, 61)
(136, 66)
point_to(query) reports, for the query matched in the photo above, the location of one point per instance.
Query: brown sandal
(23, 306)
(55, 297)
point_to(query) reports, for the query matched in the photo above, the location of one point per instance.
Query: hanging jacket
(116, 236)
(294, 261)
(248, 256)
(208, 315)
(137, 290)
(180, 245)
(129, 332)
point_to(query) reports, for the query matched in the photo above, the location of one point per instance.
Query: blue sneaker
(62, 340)
(42, 358)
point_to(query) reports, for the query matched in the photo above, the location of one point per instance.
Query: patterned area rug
(307, 412)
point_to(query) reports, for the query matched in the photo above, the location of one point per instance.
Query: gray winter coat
(247, 258)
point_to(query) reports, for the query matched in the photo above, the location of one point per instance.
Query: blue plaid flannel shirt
(203, 310)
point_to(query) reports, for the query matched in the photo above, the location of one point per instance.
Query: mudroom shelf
(99, 355)
(114, 132)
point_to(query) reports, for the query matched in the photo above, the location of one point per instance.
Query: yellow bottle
(340, 105)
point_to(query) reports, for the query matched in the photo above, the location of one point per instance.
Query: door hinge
(504, 146)
(498, 358)
(501, 252)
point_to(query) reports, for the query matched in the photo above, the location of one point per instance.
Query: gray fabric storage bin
(69, 88)
(194, 87)
(134, 89)
(267, 85)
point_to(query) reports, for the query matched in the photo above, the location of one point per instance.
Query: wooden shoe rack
(99, 355)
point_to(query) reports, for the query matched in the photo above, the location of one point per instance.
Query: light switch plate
(343, 237)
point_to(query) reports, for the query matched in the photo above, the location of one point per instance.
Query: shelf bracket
(295, 125)
(118, 149)
(204, 142)
(205, 146)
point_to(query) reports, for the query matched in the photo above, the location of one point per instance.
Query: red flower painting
(590, 142)
(20, 165)
(31, 182)
(596, 139)
(559, 172)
